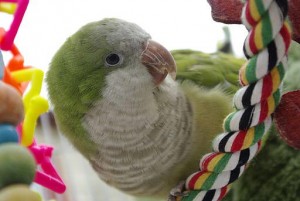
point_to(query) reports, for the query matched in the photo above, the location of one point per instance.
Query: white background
(176, 24)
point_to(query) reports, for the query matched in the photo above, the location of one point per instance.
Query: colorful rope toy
(266, 47)
(19, 76)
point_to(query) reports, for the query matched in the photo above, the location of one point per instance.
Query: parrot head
(100, 48)
(110, 49)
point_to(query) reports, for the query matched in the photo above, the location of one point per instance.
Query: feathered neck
(136, 127)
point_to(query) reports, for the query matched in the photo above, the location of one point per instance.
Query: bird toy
(266, 47)
(23, 109)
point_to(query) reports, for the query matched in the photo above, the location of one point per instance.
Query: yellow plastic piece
(9, 8)
(37, 106)
(35, 76)
(34, 104)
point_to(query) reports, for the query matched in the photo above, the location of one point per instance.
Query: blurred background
(177, 24)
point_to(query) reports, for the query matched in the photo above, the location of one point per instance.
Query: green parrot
(115, 97)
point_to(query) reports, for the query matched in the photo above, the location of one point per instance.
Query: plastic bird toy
(21, 109)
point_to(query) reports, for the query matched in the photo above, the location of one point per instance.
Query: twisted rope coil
(266, 47)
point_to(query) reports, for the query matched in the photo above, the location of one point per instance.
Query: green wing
(208, 70)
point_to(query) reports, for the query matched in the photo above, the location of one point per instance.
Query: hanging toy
(15, 79)
(282, 116)
(17, 169)
(266, 48)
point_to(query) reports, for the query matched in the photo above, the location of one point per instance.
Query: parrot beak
(158, 61)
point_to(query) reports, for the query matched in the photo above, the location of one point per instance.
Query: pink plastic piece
(10, 1)
(49, 178)
(9, 37)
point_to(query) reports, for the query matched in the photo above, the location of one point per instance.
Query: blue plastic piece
(8, 133)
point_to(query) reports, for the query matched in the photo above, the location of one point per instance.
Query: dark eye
(113, 59)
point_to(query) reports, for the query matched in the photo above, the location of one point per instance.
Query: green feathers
(78, 72)
(74, 80)
(208, 70)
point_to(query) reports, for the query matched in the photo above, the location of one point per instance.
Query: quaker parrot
(115, 97)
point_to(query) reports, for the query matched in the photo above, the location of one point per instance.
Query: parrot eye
(113, 59)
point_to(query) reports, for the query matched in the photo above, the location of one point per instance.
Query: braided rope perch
(265, 47)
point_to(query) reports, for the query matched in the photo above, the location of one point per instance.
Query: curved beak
(158, 61)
